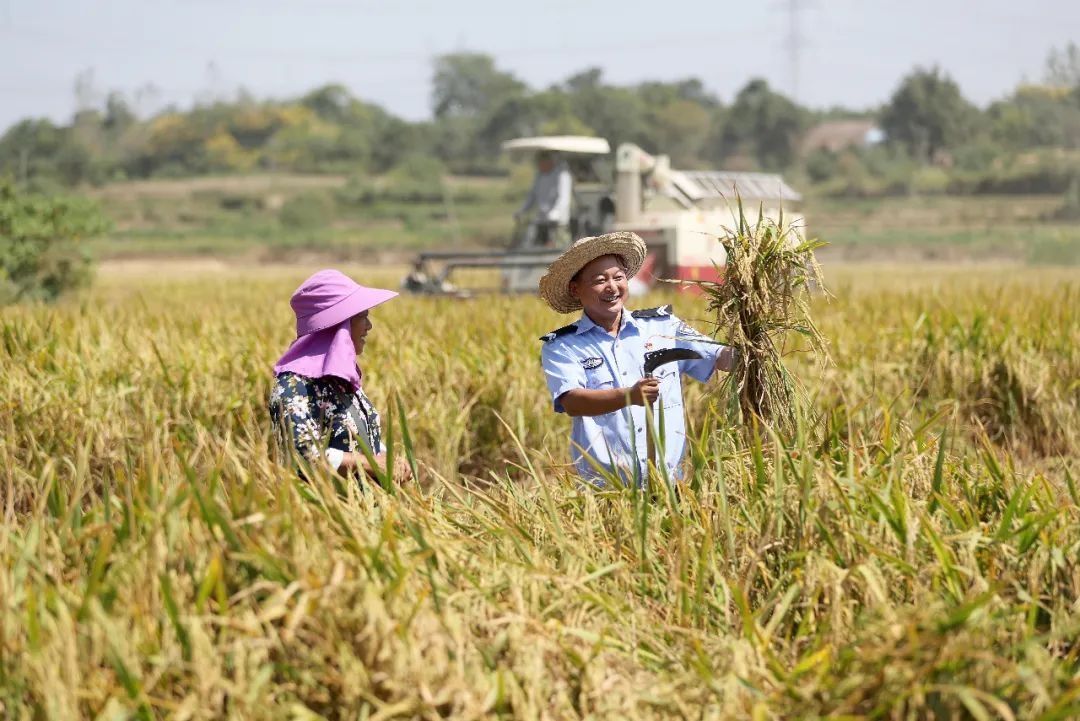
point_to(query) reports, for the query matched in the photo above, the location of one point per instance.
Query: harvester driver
(550, 198)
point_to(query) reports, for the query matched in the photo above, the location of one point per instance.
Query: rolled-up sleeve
(688, 337)
(562, 372)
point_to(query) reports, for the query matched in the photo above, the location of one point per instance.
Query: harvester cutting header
(581, 190)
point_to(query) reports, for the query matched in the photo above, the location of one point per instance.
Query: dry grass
(917, 562)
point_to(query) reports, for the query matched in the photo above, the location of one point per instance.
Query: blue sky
(853, 52)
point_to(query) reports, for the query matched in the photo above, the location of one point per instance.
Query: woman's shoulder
(292, 382)
(288, 379)
(288, 385)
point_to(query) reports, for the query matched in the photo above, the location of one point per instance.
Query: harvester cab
(532, 247)
(678, 213)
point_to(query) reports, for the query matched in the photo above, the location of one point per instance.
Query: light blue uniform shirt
(584, 355)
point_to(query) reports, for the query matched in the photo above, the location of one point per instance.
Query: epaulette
(556, 333)
(661, 312)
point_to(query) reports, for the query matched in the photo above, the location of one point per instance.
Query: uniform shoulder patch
(559, 332)
(685, 331)
(660, 312)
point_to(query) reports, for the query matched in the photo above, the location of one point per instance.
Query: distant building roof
(836, 135)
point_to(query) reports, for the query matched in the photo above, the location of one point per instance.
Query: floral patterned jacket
(312, 414)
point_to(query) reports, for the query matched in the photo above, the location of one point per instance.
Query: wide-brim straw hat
(555, 285)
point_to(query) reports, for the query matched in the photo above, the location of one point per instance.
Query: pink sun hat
(329, 298)
(324, 305)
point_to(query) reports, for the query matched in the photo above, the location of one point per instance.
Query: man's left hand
(728, 359)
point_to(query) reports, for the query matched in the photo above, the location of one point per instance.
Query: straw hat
(555, 285)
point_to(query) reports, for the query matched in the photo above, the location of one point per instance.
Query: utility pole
(794, 42)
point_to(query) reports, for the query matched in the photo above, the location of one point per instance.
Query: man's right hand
(645, 391)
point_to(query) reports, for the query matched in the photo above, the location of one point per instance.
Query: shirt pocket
(670, 385)
(599, 378)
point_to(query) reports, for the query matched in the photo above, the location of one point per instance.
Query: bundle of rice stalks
(763, 297)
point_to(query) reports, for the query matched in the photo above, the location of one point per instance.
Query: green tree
(333, 103)
(358, 127)
(1037, 116)
(553, 114)
(515, 116)
(680, 129)
(30, 149)
(1063, 67)
(475, 105)
(678, 119)
(452, 142)
(928, 114)
(543, 113)
(396, 138)
(469, 85)
(764, 125)
(175, 145)
(712, 150)
(118, 114)
(40, 243)
(690, 90)
(615, 113)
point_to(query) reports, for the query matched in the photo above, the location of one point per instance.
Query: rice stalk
(156, 562)
(764, 297)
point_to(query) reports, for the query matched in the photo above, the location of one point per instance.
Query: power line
(125, 47)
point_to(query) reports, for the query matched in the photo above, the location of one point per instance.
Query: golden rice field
(915, 557)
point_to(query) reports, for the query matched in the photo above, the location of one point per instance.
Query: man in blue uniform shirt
(594, 367)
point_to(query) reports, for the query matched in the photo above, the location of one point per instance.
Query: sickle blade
(656, 358)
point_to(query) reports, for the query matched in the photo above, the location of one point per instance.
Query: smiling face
(601, 286)
(359, 327)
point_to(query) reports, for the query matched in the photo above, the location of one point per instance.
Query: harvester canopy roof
(569, 144)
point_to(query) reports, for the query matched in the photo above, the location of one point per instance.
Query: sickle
(653, 360)
(656, 358)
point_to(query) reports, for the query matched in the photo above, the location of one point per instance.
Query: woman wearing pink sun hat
(318, 405)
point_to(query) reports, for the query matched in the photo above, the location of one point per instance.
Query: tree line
(933, 136)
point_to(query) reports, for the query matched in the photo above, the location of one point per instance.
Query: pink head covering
(324, 304)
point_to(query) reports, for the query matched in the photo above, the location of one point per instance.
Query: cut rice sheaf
(763, 297)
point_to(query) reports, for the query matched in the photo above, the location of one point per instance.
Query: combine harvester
(678, 213)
